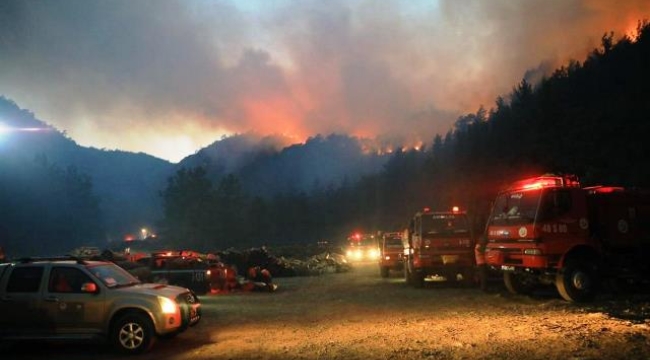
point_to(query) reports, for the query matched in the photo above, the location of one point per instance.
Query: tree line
(45, 208)
(587, 118)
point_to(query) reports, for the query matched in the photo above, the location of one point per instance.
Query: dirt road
(358, 315)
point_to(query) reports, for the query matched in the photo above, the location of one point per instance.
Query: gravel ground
(358, 315)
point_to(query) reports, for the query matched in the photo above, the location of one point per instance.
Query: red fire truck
(550, 230)
(391, 253)
(362, 247)
(439, 244)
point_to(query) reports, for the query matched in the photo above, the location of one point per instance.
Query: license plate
(449, 259)
(507, 268)
(194, 314)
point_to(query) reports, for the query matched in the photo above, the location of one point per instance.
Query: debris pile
(282, 266)
(227, 270)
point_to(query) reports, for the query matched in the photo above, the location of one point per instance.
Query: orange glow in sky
(168, 78)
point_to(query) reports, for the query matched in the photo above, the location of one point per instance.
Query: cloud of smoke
(167, 77)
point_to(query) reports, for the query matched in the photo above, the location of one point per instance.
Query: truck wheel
(383, 271)
(133, 333)
(518, 283)
(576, 282)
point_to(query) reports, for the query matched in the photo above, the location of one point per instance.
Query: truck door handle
(52, 299)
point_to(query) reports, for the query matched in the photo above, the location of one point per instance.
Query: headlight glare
(167, 305)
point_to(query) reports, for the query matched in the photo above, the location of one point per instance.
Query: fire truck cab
(549, 230)
(439, 244)
(391, 253)
(362, 247)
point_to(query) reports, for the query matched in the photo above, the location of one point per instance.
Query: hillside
(125, 187)
(588, 118)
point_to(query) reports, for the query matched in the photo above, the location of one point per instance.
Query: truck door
(21, 312)
(562, 219)
(72, 310)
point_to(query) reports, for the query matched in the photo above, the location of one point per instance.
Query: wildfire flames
(406, 69)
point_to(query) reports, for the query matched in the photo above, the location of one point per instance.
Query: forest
(589, 118)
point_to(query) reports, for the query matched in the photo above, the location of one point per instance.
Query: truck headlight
(167, 305)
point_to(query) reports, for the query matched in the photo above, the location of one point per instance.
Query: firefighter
(479, 254)
(217, 277)
(259, 279)
(224, 278)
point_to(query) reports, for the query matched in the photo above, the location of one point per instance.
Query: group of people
(225, 278)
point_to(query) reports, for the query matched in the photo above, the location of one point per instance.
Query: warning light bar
(544, 182)
(453, 210)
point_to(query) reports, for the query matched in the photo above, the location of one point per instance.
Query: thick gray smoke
(141, 75)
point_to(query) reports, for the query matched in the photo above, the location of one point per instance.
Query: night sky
(169, 77)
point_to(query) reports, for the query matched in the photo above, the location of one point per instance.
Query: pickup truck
(74, 299)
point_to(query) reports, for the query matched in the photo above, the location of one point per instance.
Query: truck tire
(383, 271)
(577, 282)
(133, 333)
(518, 284)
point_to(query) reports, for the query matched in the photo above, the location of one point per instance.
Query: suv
(73, 299)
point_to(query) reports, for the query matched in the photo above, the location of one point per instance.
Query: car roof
(59, 260)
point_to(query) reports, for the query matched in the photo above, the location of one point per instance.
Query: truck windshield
(515, 208)
(393, 243)
(113, 276)
(362, 243)
(444, 225)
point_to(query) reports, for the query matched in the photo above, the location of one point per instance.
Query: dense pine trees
(591, 119)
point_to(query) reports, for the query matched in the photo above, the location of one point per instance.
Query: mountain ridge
(129, 184)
